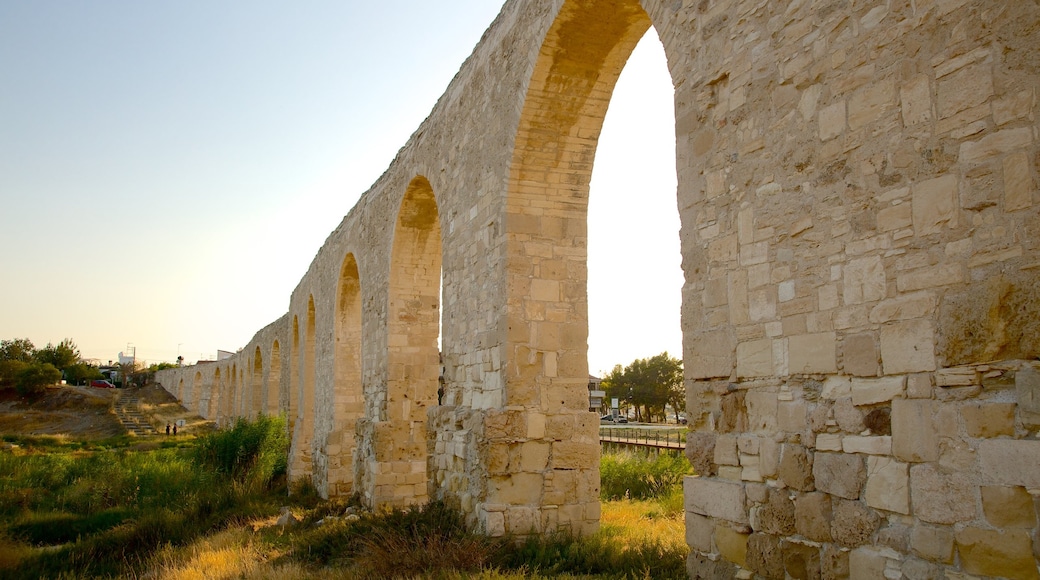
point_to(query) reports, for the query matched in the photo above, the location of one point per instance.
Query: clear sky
(169, 169)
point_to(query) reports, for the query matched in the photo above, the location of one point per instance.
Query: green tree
(81, 372)
(18, 349)
(648, 385)
(9, 370)
(160, 366)
(62, 356)
(127, 370)
(35, 377)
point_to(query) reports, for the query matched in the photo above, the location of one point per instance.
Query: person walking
(167, 428)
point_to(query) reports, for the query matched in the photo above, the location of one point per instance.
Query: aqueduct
(857, 187)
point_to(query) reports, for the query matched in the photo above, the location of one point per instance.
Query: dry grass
(632, 522)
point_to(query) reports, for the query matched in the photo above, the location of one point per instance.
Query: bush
(641, 476)
(252, 452)
(35, 377)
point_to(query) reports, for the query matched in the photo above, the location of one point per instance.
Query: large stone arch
(348, 398)
(303, 431)
(257, 384)
(274, 380)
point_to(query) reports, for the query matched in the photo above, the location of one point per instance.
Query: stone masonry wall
(857, 187)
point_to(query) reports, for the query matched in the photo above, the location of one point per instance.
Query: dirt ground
(89, 413)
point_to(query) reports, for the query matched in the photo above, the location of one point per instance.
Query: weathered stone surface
(834, 562)
(791, 416)
(867, 445)
(989, 419)
(812, 353)
(731, 544)
(769, 457)
(874, 391)
(700, 450)
(934, 204)
(812, 516)
(703, 566)
(888, 485)
(715, 498)
(932, 543)
(838, 474)
(995, 553)
(865, 280)
(853, 523)
(775, 517)
(733, 416)
(1008, 507)
(941, 498)
(765, 556)
(860, 355)
(1010, 462)
(907, 347)
(848, 417)
(801, 561)
(916, 569)
(796, 467)
(726, 450)
(699, 531)
(867, 564)
(761, 410)
(914, 437)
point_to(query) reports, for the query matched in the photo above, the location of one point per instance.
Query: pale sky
(168, 170)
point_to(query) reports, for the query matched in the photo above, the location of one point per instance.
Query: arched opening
(348, 401)
(294, 376)
(546, 226)
(303, 434)
(180, 390)
(193, 386)
(217, 397)
(412, 334)
(255, 398)
(274, 380)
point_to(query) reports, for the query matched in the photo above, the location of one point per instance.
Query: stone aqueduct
(857, 187)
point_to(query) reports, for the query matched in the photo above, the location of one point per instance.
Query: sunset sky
(169, 169)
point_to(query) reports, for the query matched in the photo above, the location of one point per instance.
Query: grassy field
(207, 507)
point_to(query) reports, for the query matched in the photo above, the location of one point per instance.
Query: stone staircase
(129, 414)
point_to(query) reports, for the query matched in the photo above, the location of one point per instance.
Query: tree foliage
(17, 349)
(62, 356)
(34, 377)
(648, 385)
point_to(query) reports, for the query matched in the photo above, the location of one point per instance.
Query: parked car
(613, 419)
(102, 384)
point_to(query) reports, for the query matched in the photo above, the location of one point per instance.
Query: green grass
(185, 508)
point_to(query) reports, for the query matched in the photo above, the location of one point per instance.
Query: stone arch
(294, 377)
(348, 397)
(303, 433)
(192, 387)
(218, 398)
(180, 389)
(257, 384)
(274, 380)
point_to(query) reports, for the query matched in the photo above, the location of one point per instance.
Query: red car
(102, 384)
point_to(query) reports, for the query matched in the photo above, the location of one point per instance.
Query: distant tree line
(30, 370)
(649, 386)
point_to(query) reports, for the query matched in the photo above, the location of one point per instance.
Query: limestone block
(942, 498)
(935, 205)
(755, 358)
(828, 442)
(516, 489)
(853, 523)
(832, 121)
(864, 280)
(870, 103)
(848, 417)
(932, 543)
(888, 485)
(914, 436)
(966, 88)
(995, 553)
(1019, 186)
(761, 410)
(715, 498)
(700, 450)
(873, 391)
(860, 355)
(733, 413)
(791, 416)
(572, 455)
(769, 457)
(812, 516)
(801, 560)
(709, 567)
(839, 474)
(714, 354)
(749, 468)
(989, 419)
(834, 562)
(726, 450)
(908, 346)
(1027, 389)
(919, 386)
(1008, 507)
(1010, 462)
(904, 307)
(995, 144)
(867, 563)
(534, 456)
(867, 445)
(731, 544)
(765, 556)
(836, 387)
(812, 353)
(916, 101)
(699, 531)
(956, 377)
(776, 516)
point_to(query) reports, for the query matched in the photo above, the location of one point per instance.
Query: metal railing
(661, 439)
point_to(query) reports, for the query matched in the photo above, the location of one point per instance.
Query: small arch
(274, 380)
(257, 383)
(348, 399)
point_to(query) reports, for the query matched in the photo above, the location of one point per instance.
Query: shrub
(34, 377)
(641, 476)
(252, 452)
